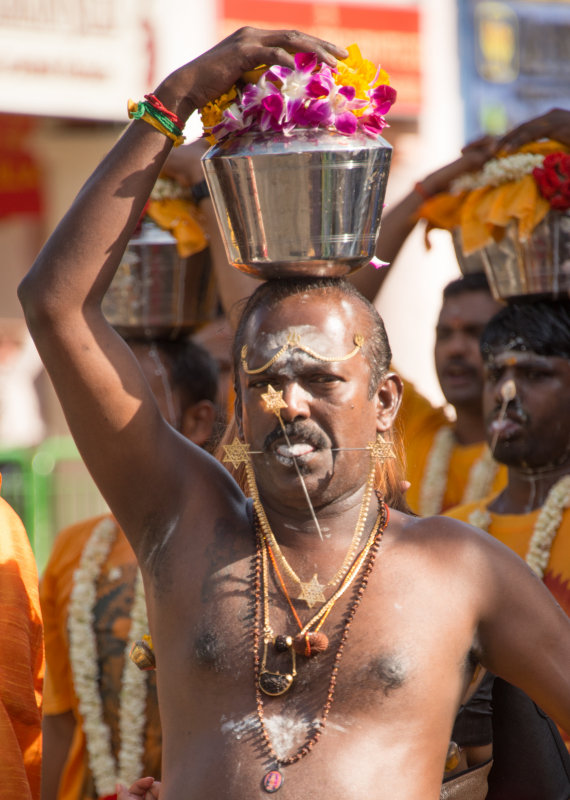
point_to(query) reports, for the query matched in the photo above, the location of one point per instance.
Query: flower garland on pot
(85, 668)
(353, 96)
(522, 188)
(545, 528)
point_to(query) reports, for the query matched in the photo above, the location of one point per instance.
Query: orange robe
(515, 531)
(115, 593)
(21, 662)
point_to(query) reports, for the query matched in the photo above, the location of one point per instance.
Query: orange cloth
(21, 662)
(115, 593)
(419, 422)
(515, 531)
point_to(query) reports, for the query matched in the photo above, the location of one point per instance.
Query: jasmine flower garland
(545, 527)
(85, 668)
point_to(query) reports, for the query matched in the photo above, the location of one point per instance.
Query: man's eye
(535, 374)
(325, 379)
(260, 384)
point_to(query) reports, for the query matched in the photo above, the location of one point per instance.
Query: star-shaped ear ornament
(273, 400)
(381, 449)
(236, 453)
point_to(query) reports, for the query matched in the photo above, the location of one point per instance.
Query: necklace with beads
(312, 591)
(278, 683)
(434, 483)
(545, 528)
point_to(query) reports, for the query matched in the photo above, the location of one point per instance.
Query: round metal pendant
(275, 683)
(272, 781)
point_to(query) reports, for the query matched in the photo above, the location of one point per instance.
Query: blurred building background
(461, 68)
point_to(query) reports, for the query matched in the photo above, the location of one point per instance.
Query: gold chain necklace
(312, 591)
(273, 779)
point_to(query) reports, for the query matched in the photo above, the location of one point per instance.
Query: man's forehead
(511, 357)
(468, 308)
(309, 314)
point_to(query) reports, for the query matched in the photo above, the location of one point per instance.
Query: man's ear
(198, 422)
(388, 400)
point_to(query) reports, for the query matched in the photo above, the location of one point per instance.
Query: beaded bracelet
(148, 112)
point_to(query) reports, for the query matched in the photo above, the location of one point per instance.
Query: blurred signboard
(515, 61)
(387, 34)
(84, 58)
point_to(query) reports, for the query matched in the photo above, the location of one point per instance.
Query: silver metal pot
(538, 266)
(300, 205)
(156, 293)
(514, 268)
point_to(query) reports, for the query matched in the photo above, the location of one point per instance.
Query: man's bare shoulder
(450, 541)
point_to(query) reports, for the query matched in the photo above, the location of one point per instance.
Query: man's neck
(295, 525)
(469, 427)
(527, 490)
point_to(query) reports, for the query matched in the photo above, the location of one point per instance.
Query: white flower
(545, 527)
(84, 664)
(498, 171)
(434, 483)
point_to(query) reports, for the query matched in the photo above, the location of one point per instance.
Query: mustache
(459, 362)
(298, 430)
(513, 411)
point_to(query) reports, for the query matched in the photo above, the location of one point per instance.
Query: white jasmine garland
(545, 528)
(84, 664)
(434, 483)
(169, 189)
(498, 171)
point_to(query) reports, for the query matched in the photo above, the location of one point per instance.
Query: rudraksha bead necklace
(273, 779)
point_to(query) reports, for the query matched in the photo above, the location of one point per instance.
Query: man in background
(92, 563)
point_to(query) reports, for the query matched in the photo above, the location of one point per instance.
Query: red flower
(553, 180)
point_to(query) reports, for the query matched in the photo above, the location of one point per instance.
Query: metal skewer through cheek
(508, 393)
(303, 484)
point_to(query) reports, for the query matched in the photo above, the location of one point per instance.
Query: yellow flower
(211, 113)
(359, 72)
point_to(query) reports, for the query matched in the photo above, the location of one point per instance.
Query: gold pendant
(275, 683)
(312, 592)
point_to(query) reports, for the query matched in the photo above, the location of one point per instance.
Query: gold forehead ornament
(294, 343)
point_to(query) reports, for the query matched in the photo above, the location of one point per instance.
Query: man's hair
(376, 349)
(193, 371)
(540, 326)
(471, 282)
(376, 346)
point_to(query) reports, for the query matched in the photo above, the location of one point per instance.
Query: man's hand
(555, 124)
(213, 73)
(147, 788)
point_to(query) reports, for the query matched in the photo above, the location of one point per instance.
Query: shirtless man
(440, 598)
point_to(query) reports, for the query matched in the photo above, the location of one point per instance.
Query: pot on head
(308, 204)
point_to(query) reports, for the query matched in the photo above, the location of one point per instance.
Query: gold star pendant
(312, 592)
(381, 449)
(236, 453)
(273, 400)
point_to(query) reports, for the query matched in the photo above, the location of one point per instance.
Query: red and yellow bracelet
(151, 110)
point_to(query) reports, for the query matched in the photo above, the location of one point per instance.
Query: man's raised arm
(138, 462)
